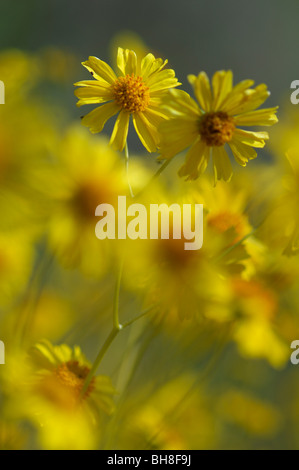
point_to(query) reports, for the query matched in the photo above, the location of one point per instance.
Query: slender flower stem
(229, 249)
(112, 335)
(159, 171)
(127, 169)
(145, 312)
(116, 324)
(156, 175)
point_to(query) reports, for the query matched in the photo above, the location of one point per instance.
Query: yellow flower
(11, 436)
(137, 90)
(249, 413)
(16, 259)
(61, 373)
(80, 185)
(46, 391)
(212, 124)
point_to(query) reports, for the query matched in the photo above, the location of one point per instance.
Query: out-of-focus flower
(177, 416)
(57, 65)
(256, 304)
(16, 259)
(89, 173)
(136, 91)
(28, 136)
(20, 72)
(62, 372)
(249, 413)
(12, 437)
(281, 227)
(183, 283)
(46, 390)
(129, 40)
(227, 228)
(212, 123)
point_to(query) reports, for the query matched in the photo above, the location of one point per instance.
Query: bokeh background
(199, 373)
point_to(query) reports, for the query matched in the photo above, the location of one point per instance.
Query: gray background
(257, 39)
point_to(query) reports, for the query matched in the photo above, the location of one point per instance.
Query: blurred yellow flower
(182, 283)
(250, 413)
(175, 416)
(129, 40)
(80, 185)
(16, 260)
(20, 72)
(212, 123)
(281, 227)
(46, 391)
(137, 90)
(11, 436)
(62, 372)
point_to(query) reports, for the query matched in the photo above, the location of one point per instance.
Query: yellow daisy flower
(61, 373)
(137, 90)
(212, 122)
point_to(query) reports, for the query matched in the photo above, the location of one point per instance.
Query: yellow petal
(222, 165)
(95, 83)
(175, 128)
(242, 152)
(202, 90)
(161, 81)
(174, 148)
(126, 61)
(254, 139)
(146, 132)
(150, 65)
(156, 108)
(120, 131)
(262, 117)
(100, 69)
(160, 76)
(181, 102)
(97, 118)
(91, 95)
(154, 116)
(251, 99)
(236, 95)
(196, 161)
(222, 85)
(176, 134)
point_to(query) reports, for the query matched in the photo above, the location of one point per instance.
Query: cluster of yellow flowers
(186, 349)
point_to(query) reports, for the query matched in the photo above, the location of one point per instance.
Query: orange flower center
(89, 195)
(131, 93)
(216, 128)
(72, 375)
(225, 220)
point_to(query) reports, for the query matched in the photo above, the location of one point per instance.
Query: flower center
(72, 376)
(216, 128)
(88, 196)
(131, 93)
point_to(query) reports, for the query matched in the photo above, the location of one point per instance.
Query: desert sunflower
(212, 123)
(135, 91)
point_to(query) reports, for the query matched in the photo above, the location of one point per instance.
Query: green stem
(230, 248)
(127, 169)
(156, 175)
(113, 333)
(98, 360)
(116, 324)
(145, 312)
(159, 171)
